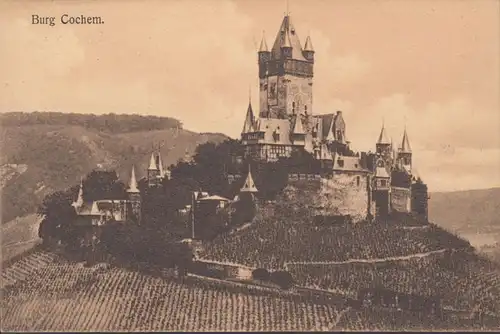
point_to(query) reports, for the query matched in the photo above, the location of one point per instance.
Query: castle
(382, 181)
(97, 213)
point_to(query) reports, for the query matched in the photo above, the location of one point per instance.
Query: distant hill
(473, 214)
(44, 152)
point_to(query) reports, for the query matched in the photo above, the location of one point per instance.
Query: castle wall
(344, 194)
(400, 199)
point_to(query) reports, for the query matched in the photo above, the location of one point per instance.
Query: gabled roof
(381, 172)
(298, 128)
(249, 185)
(287, 35)
(350, 163)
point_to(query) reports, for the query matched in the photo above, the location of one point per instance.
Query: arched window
(293, 107)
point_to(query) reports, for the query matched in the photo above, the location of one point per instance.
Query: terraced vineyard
(67, 297)
(25, 267)
(70, 297)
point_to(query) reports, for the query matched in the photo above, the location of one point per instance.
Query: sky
(433, 66)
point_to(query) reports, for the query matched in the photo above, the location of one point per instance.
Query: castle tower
(153, 172)
(383, 147)
(134, 197)
(285, 75)
(405, 153)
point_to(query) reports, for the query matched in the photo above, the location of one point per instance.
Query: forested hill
(45, 152)
(108, 123)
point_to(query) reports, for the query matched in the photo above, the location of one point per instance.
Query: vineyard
(25, 267)
(61, 296)
(67, 297)
(462, 281)
(271, 242)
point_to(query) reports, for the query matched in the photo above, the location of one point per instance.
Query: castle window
(305, 110)
(293, 107)
(358, 180)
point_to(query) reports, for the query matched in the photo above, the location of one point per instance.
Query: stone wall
(344, 194)
(400, 199)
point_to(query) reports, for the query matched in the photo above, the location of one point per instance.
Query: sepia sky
(431, 64)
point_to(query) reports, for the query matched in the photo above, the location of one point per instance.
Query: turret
(264, 53)
(153, 171)
(309, 50)
(134, 197)
(405, 153)
(249, 118)
(383, 145)
(79, 200)
(286, 47)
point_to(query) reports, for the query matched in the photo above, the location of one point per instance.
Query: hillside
(44, 293)
(37, 159)
(473, 214)
(398, 254)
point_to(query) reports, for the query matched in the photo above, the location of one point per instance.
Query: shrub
(261, 274)
(283, 279)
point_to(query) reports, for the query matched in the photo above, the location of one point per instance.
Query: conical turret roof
(286, 43)
(405, 144)
(308, 46)
(249, 185)
(383, 138)
(248, 125)
(132, 188)
(79, 198)
(263, 44)
(160, 165)
(152, 163)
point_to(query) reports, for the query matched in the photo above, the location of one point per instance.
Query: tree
(261, 274)
(57, 215)
(282, 278)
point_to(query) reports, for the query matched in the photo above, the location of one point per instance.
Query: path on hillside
(386, 259)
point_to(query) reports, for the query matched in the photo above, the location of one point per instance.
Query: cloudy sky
(433, 65)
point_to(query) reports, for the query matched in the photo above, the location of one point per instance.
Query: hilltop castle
(381, 181)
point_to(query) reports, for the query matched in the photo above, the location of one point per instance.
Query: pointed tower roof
(263, 44)
(405, 144)
(249, 185)
(287, 35)
(298, 127)
(79, 199)
(152, 163)
(383, 138)
(286, 43)
(160, 165)
(248, 125)
(308, 46)
(132, 188)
